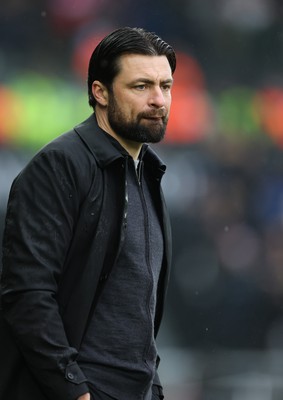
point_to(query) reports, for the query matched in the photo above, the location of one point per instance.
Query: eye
(166, 87)
(141, 86)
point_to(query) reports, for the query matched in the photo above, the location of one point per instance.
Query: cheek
(131, 107)
(168, 103)
(169, 98)
(133, 110)
(129, 112)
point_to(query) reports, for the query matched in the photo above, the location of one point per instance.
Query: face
(140, 99)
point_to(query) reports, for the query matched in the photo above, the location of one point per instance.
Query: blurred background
(222, 336)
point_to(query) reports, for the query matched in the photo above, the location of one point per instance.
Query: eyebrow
(150, 81)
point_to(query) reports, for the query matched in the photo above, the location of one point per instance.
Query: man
(87, 239)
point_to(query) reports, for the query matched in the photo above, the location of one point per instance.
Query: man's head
(104, 62)
(129, 84)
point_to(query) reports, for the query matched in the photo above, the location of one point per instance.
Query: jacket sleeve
(41, 215)
(157, 392)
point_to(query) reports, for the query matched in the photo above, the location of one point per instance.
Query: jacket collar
(97, 142)
(105, 152)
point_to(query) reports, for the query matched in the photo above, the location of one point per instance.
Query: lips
(154, 120)
(153, 116)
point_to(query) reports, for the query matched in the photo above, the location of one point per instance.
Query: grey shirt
(118, 353)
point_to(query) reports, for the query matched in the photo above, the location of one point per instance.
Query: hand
(84, 397)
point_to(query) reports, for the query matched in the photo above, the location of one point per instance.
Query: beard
(150, 131)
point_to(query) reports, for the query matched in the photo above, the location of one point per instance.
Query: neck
(133, 148)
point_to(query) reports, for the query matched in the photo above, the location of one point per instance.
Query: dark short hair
(104, 61)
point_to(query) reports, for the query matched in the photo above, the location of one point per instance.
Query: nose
(157, 97)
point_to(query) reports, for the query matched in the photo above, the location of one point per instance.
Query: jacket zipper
(148, 263)
(125, 209)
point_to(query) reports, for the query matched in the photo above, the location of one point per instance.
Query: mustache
(154, 114)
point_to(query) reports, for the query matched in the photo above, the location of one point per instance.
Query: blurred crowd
(227, 210)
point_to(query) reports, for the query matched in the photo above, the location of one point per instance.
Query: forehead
(136, 66)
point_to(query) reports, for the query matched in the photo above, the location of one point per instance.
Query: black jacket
(64, 226)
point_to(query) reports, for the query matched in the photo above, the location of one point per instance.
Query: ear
(100, 93)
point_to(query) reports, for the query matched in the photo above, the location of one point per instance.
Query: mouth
(154, 117)
(154, 114)
(154, 120)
